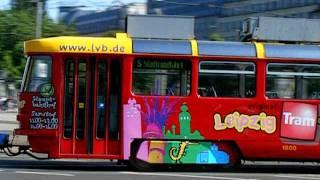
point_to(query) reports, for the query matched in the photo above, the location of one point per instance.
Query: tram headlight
(19, 124)
(19, 121)
(21, 104)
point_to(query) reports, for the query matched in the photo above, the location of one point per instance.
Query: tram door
(91, 107)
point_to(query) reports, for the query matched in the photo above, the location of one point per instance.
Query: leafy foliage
(215, 37)
(16, 26)
(112, 33)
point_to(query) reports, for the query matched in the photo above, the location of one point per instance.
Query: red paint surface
(253, 144)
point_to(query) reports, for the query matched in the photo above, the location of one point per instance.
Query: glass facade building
(98, 23)
(224, 17)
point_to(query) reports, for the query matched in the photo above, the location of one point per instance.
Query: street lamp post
(39, 18)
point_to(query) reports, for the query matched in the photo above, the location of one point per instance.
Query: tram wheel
(140, 165)
(234, 155)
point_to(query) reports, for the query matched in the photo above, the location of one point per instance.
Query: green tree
(17, 26)
(112, 33)
(215, 37)
(26, 5)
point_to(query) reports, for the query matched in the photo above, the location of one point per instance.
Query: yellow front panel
(119, 45)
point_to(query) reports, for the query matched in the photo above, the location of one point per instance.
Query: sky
(53, 5)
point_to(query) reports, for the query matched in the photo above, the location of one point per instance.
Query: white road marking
(184, 175)
(1, 170)
(43, 173)
(298, 177)
(312, 175)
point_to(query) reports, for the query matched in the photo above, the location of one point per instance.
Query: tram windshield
(38, 73)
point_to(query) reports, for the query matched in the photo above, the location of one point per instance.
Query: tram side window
(164, 77)
(38, 73)
(69, 98)
(227, 79)
(293, 81)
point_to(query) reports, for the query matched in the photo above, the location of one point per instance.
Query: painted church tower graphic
(185, 151)
(185, 127)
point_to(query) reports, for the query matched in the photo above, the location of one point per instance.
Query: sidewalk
(8, 120)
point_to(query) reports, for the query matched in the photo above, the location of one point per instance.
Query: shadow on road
(292, 169)
(63, 165)
(114, 166)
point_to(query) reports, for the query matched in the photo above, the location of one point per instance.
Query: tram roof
(122, 44)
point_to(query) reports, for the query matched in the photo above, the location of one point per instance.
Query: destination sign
(161, 64)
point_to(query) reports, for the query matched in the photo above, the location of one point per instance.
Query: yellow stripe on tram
(194, 47)
(260, 50)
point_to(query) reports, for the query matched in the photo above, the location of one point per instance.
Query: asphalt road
(25, 168)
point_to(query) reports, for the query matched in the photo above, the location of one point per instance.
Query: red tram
(170, 101)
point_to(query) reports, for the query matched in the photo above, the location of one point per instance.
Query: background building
(230, 21)
(224, 17)
(97, 23)
(214, 18)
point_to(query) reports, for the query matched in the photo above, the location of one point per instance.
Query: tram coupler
(13, 145)
(4, 139)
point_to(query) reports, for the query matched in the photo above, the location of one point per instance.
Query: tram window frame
(32, 83)
(25, 74)
(69, 79)
(178, 67)
(82, 98)
(293, 76)
(101, 99)
(223, 70)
